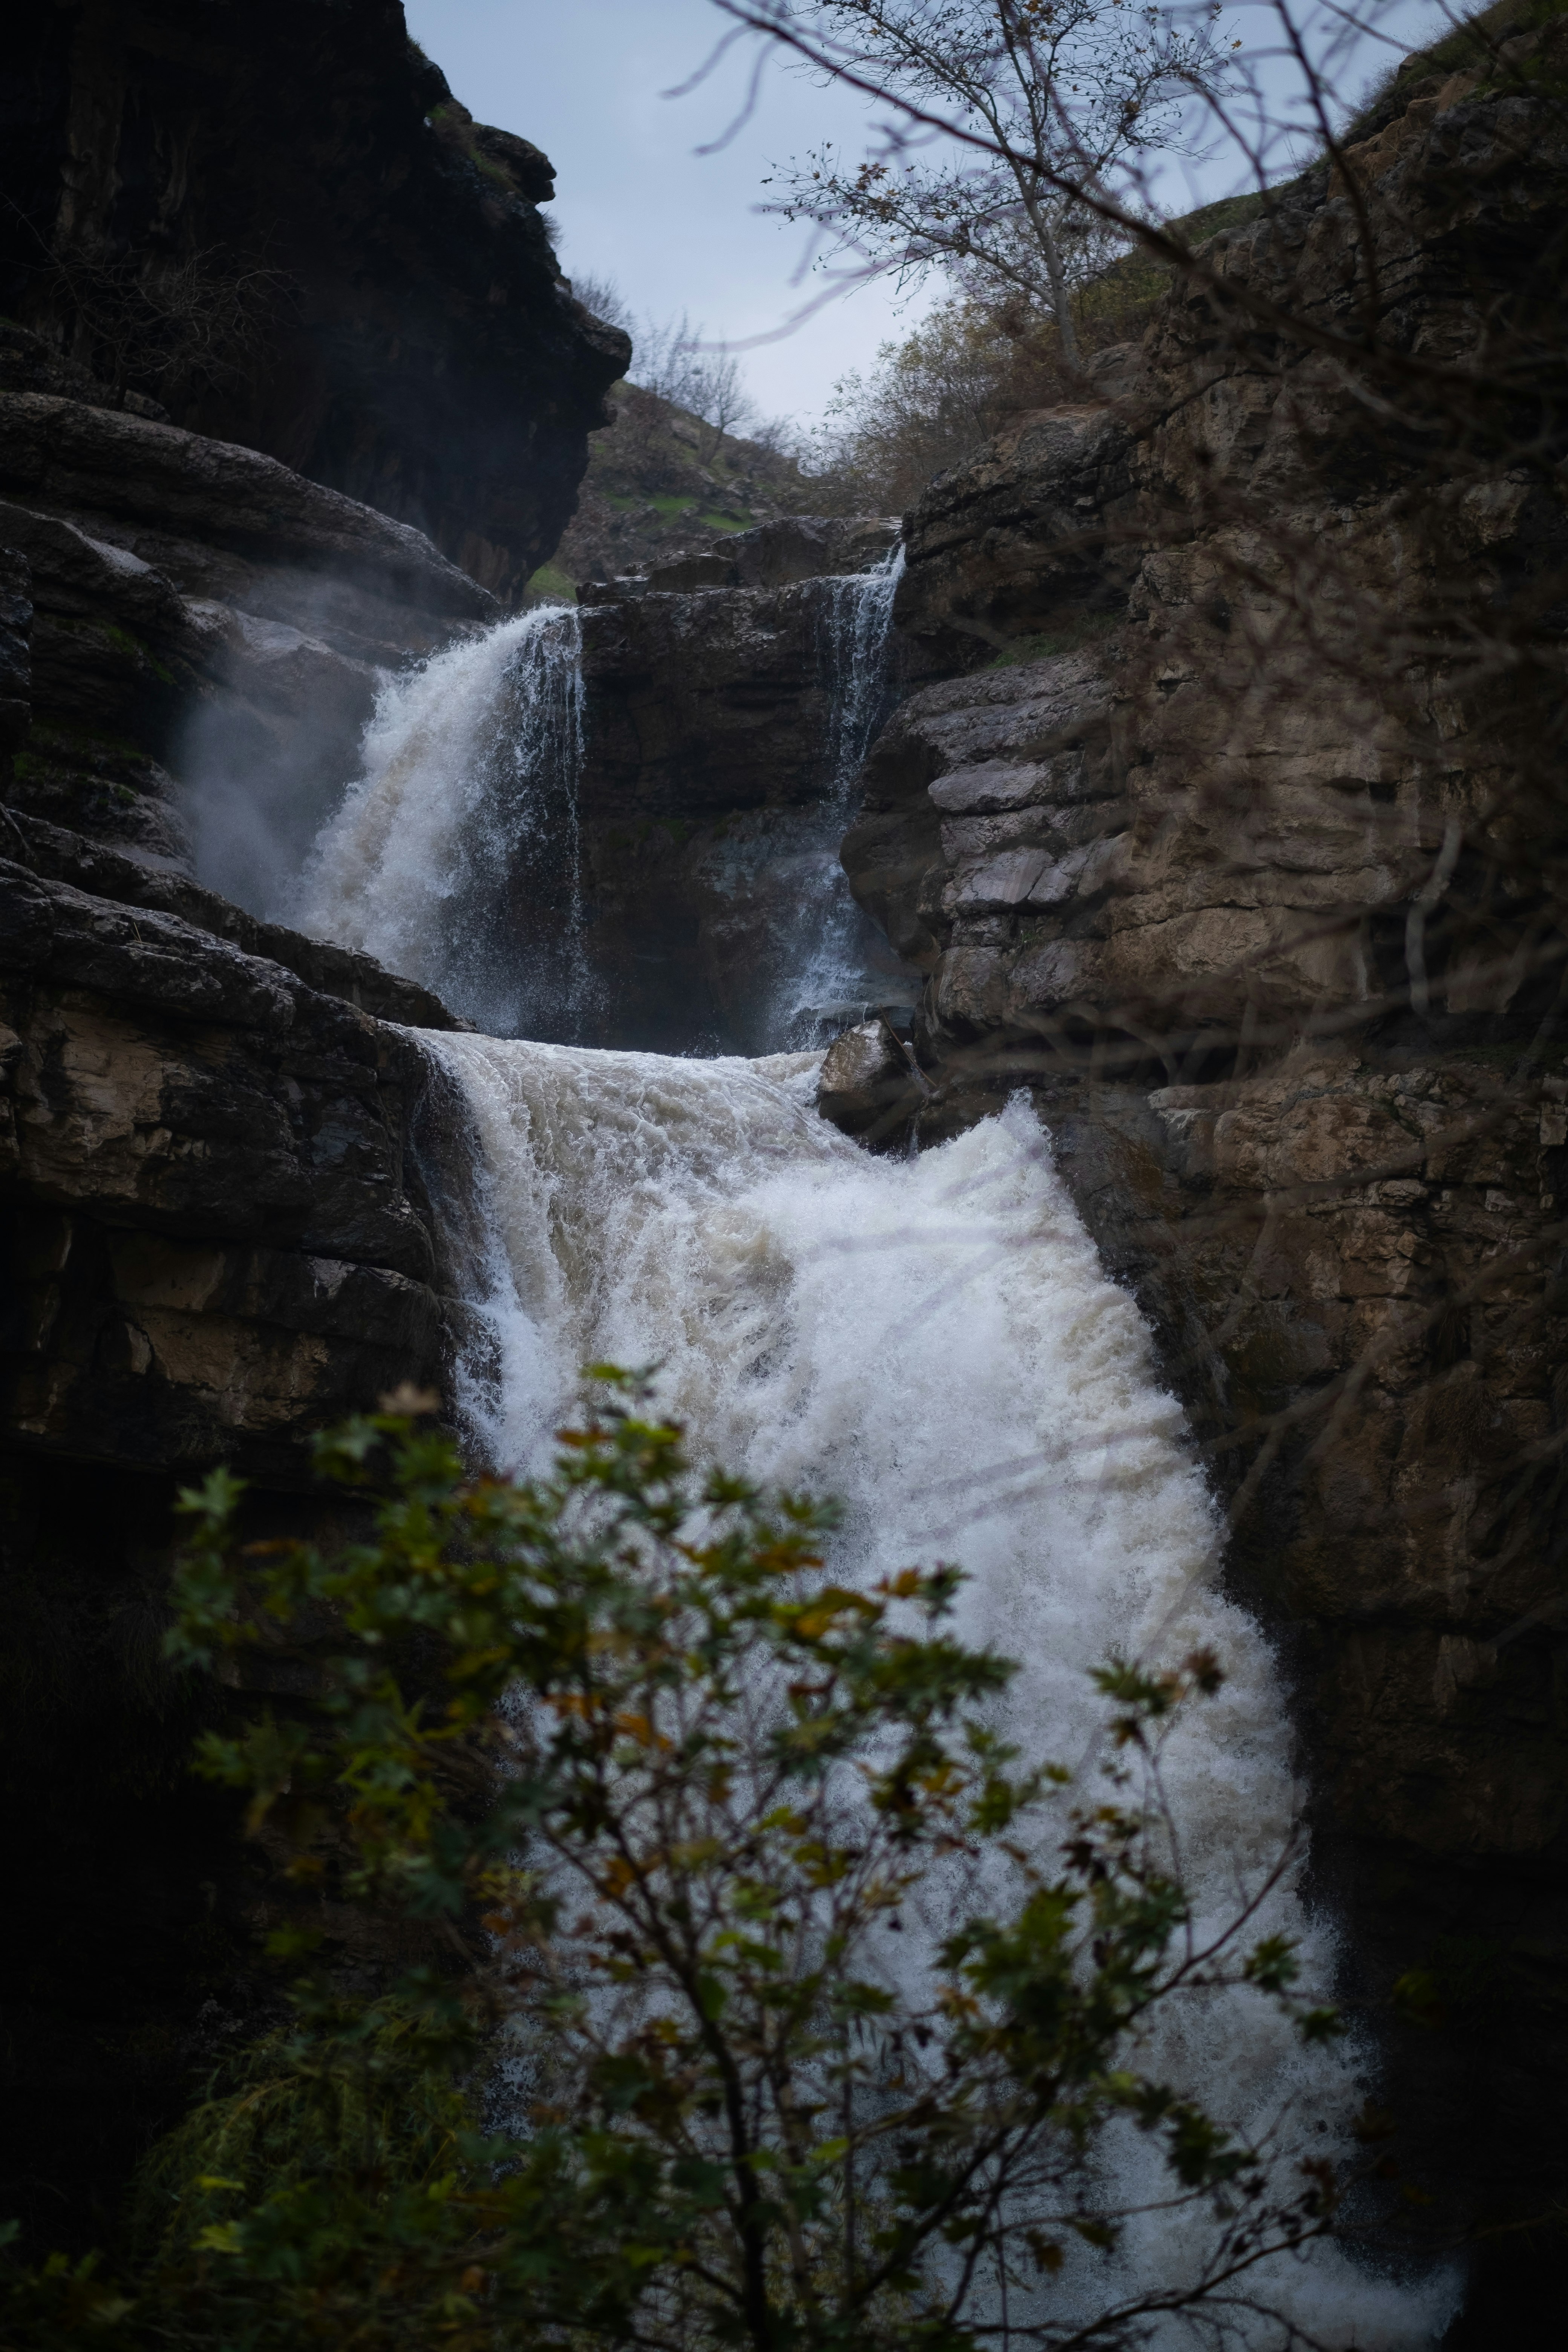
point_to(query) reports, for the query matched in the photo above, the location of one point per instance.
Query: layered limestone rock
(1259, 898)
(219, 1233)
(208, 630)
(230, 1188)
(280, 225)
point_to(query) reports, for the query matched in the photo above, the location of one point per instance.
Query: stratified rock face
(221, 1237)
(217, 1231)
(218, 1234)
(717, 694)
(403, 332)
(207, 633)
(1167, 862)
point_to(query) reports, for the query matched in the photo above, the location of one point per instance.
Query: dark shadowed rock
(205, 623)
(713, 752)
(71, 458)
(867, 1087)
(1045, 517)
(407, 340)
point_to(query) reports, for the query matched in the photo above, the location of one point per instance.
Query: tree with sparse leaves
(1051, 101)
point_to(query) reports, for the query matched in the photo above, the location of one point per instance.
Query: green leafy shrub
(664, 1794)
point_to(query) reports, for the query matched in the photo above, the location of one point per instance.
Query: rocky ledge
(718, 689)
(1267, 930)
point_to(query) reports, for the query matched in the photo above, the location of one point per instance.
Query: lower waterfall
(933, 1340)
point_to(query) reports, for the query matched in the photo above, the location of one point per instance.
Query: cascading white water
(454, 859)
(933, 1340)
(858, 616)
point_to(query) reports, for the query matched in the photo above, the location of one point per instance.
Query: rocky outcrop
(226, 1213)
(208, 630)
(1262, 899)
(718, 689)
(218, 1232)
(280, 226)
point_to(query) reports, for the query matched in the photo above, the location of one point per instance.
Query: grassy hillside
(660, 482)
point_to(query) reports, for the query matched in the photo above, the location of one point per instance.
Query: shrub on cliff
(660, 1796)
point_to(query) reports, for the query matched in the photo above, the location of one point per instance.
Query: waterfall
(455, 858)
(838, 970)
(934, 1341)
(856, 620)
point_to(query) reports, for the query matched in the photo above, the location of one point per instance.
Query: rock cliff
(222, 1159)
(207, 632)
(718, 687)
(1259, 890)
(279, 227)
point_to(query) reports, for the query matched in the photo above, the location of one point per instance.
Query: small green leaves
(618, 1737)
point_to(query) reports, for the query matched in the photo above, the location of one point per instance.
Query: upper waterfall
(455, 858)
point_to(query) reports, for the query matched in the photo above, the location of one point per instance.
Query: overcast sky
(678, 230)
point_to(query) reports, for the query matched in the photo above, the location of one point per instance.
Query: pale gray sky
(678, 230)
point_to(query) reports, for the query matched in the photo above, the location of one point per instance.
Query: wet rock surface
(870, 1084)
(1159, 868)
(715, 710)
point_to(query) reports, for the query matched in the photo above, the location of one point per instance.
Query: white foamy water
(453, 859)
(934, 1341)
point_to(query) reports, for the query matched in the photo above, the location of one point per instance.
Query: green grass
(1041, 645)
(550, 583)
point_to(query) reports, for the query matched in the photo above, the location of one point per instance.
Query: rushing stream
(932, 1339)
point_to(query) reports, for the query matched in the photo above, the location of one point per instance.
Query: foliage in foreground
(659, 1797)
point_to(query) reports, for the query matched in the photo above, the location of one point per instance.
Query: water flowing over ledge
(933, 1340)
(455, 858)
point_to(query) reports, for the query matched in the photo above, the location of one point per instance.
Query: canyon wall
(216, 1163)
(1258, 889)
(279, 227)
(292, 394)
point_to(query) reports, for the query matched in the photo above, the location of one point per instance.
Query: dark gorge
(1096, 796)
